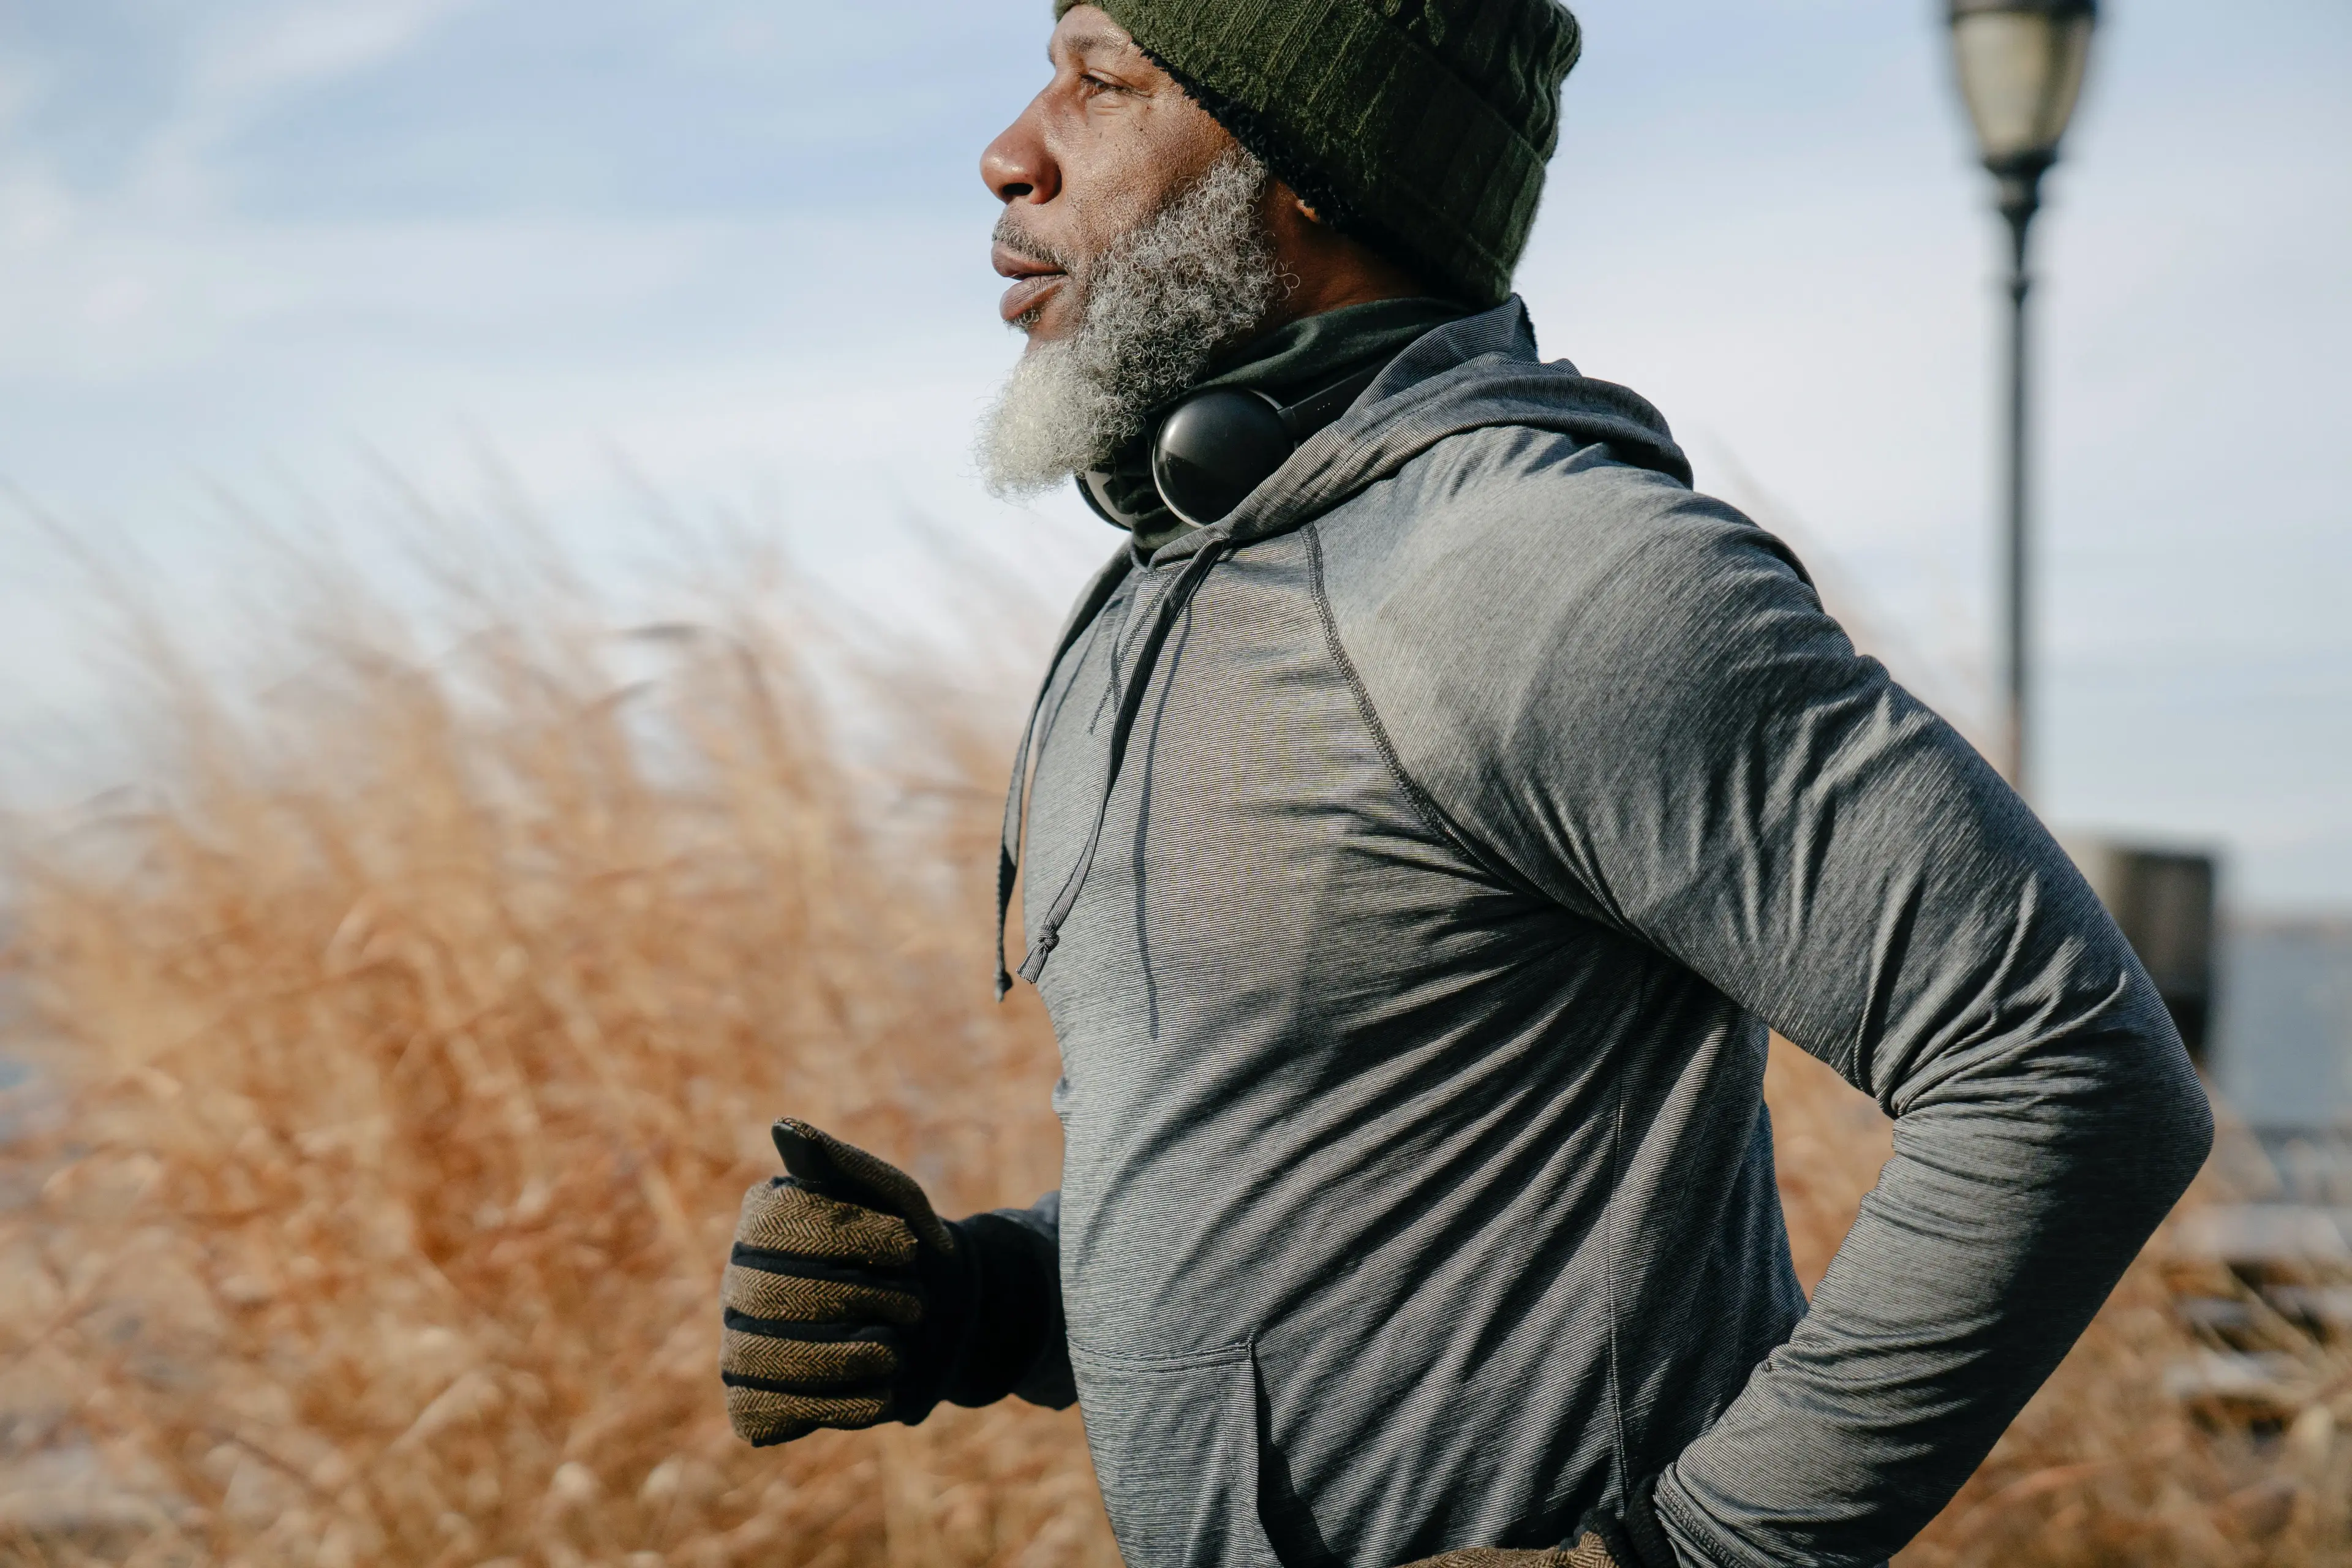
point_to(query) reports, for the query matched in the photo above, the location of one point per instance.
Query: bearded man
(1435, 803)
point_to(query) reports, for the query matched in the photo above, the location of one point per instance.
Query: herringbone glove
(1590, 1552)
(843, 1296)
(848, 1302)
(1630, 1538)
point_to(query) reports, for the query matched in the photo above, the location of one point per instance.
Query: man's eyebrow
(1087, 43)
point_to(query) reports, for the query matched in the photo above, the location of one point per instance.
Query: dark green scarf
(1286, 364)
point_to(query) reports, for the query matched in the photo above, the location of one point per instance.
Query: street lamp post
(2021, 68)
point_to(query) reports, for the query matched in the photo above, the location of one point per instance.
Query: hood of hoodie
(1469, 374)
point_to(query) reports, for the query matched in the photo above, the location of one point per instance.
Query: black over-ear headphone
(1214, 447)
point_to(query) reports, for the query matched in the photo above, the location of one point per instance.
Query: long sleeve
(1651, 719)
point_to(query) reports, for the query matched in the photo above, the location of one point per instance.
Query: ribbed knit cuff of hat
(1422, 126)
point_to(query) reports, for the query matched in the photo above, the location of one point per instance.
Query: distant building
(2163, 899)
(2283, 1045)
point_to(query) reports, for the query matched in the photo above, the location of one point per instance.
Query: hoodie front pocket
(1175, 1444)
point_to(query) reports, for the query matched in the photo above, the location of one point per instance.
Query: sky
(255, 255)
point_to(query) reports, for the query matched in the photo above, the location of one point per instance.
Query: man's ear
(1284, 196)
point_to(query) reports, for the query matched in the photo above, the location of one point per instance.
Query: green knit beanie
(1421, 126)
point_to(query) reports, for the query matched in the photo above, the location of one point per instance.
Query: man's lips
(1032, 280)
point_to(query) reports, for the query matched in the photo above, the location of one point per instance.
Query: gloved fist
(840, 1295)
(1591, 1552)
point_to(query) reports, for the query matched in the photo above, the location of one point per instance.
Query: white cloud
(312, 41)
(243, 58)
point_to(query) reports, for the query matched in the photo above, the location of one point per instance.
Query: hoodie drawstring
(1016, 798)
(1213, 544)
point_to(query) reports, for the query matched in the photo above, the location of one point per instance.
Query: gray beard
(1195, 277)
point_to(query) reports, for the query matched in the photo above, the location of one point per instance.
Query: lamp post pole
(2020, 69)
(2020, 199)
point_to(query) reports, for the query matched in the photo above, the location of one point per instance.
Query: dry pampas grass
(405, 1050)
(417, 1039)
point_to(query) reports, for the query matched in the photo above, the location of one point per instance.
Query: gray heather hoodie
(1417, 861)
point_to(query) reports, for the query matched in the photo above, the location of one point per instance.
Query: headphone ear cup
(1214, 449)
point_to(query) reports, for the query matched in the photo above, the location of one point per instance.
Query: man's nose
(1017, 167)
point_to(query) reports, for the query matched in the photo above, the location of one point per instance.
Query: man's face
(1110, 142)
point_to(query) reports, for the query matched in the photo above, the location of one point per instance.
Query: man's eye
(1094, 84)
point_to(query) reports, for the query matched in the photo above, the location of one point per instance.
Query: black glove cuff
(1634, 1537)
(991, 1322)
(1014, 1342)
(1640, 1540)
(948, 1285)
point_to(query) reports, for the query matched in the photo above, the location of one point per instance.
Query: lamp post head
(2021, 66)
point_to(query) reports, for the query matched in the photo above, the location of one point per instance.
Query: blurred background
(626, 278)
